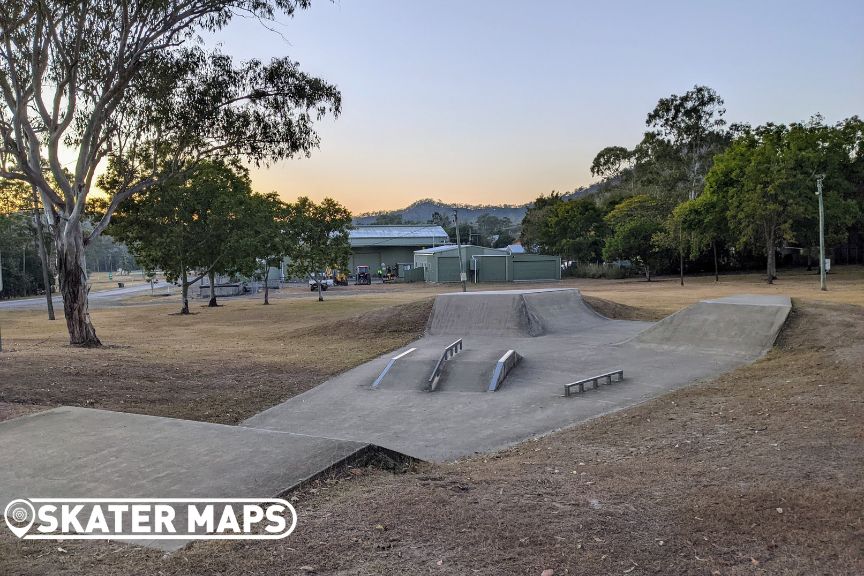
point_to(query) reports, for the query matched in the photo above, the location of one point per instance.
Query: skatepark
(490, 372)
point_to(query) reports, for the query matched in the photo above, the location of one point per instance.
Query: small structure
(393, 246)
(482, 264)
(225, 286)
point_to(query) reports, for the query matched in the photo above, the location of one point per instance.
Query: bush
(591, 270)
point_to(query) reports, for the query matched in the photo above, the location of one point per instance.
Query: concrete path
(83, 453)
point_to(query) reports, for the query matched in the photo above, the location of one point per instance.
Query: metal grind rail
(392, 361)
(594, 380)
(448, 353)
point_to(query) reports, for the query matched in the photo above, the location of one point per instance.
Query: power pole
(463, 276)
(822, 279)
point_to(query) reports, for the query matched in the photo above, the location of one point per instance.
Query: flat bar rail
(448, 353)
(502, 368)
(392, 361)
(595, 380)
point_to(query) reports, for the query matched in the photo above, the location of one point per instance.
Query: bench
(595, 380)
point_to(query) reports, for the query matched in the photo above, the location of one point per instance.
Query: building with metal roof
(391, 245)
(441, 264)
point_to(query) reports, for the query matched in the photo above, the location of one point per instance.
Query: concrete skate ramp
(411, 372)
(84, 453)
(561, 311)
(741, 325)
(470, 370)
(513, 313)
(560, 340)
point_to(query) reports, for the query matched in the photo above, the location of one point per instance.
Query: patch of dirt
(9, 411)
(756, 472)
(407, 319)
(617, 311)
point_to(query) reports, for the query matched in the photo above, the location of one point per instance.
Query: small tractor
(363, 276)
(340, 278)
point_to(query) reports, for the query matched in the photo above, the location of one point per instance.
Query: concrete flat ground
(83, 453)
(560, 339)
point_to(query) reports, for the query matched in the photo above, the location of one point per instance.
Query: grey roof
(443, 248)
(392, 231)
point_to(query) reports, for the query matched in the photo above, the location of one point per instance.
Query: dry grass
(665, 295)
(757, 472)
(99, 280)
(218, 364)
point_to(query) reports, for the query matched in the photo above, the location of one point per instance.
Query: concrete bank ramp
(470, 370)
(85, 453)
(740, 325)
(412, 371)
(512, 313)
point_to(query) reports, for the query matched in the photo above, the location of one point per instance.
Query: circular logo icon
(19, 516)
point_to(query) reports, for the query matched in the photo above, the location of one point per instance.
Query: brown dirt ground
(757, 472)
(618, 311)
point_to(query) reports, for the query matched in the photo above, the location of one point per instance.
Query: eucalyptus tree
(766, 179)
(635, 222)
(128, 81)
(190, 227)
(266, 238)
(319, 238)
(693, 125)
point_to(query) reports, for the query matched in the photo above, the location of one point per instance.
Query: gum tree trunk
(212, 276)
(72, 272)
(772, 265)
(716, 269)
(43, 254)
(184, 283)
(266, 283)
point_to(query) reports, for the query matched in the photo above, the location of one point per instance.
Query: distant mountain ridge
(422, 210)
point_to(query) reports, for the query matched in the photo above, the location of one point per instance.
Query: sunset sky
(482, 101)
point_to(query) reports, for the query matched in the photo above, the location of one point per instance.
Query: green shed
(441, 264)
(533, 267)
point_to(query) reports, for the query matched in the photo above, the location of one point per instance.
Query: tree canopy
(320, 233)
(131, 83)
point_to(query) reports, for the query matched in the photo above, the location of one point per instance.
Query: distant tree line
(696, 193)
(20, 263)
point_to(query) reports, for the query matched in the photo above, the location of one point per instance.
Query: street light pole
(822, 280)
(462, 274)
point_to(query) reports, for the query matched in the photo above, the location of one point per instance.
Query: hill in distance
(422, 210)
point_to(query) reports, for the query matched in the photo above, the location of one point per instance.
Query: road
(96, 298)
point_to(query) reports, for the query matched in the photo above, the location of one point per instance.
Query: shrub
(591, 270)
